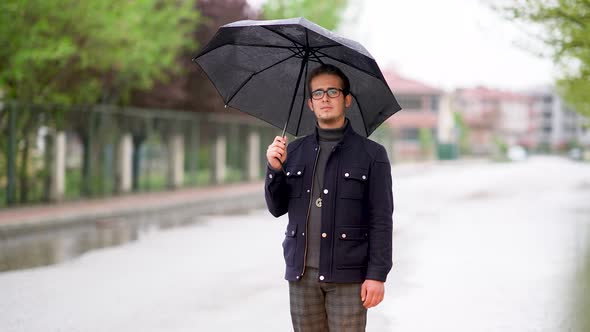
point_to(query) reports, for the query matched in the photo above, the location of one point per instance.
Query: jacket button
(288, 173)
(346, 174)
(364, 177)
(321, 277)
(344, 235)
(299, 173)
(297, 277)
(325, 191)
(270, 176)
(292, 232)
(307, 190)
(324, 235)
(302, 234)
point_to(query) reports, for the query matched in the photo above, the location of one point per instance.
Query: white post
(125, 163)
(176, 167)
(253, 155)
(58, 169)
(220, 156)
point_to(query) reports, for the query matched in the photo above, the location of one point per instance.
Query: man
(335, 186)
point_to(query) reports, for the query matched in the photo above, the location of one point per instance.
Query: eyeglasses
(332, 93)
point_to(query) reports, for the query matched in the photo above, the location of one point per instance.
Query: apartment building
(415, 127)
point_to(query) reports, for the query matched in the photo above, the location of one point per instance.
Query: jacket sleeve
(380, 208)
(275, 192)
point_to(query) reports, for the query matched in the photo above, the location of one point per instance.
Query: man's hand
(277, 151)
(372, 293)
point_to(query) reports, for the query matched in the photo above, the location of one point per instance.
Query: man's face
(328, 110)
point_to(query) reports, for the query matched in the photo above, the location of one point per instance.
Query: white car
(516, 153)
(575, 154)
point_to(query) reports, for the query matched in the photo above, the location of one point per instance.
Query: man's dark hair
(332, 70)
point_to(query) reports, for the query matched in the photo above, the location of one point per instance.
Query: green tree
(566, 26)
(462, 133)
(426, 141)
(325, 13)
(190, 89)
(72, 52)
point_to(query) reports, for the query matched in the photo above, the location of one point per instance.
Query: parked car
(516, 153)
(575, 153)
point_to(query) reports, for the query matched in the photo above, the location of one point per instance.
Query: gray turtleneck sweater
(328, 138)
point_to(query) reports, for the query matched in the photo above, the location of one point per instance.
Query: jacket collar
(347, 138)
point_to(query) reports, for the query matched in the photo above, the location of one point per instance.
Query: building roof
(482, 92)
(402, 85)
(413, 119)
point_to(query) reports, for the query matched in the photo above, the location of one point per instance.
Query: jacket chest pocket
(353, 182)
(295, 179)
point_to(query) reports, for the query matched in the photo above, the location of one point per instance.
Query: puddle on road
(53, 246)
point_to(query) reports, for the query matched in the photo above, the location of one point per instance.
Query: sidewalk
(204, 200)
(176, 204)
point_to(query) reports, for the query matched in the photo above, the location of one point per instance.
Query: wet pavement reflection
(53, 246)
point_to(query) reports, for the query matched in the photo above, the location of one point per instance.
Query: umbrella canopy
(261, 68)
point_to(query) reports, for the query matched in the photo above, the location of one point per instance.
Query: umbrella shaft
(303, 63)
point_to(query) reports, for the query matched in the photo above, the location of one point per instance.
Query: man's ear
(348, 100)
(309, 104)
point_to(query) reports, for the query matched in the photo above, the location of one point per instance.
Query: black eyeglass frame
(324, 92)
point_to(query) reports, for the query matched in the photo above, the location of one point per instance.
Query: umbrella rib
(264, 46)
(348, 64)
(361, 112)
(318, 58)
(303, 63)
(248, 45)
(296, 51)
(327, 46)
(284, 36)
(254, 74)
(293, 49)
(305, 82)
(368, 73)
(303, 101)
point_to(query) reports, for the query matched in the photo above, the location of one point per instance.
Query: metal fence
(93, 136)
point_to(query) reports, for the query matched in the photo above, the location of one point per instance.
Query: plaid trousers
(322, 307)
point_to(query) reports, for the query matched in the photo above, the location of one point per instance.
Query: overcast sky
(448, 44)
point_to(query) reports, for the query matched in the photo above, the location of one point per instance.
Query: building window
(410, 102)
(409, 134)
(434, 103)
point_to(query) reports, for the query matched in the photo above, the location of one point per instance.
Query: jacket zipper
(309, 208)
(334, 219)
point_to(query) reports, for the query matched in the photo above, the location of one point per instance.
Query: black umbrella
(261, 68)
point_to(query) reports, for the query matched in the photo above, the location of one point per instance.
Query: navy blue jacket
(356, 212)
